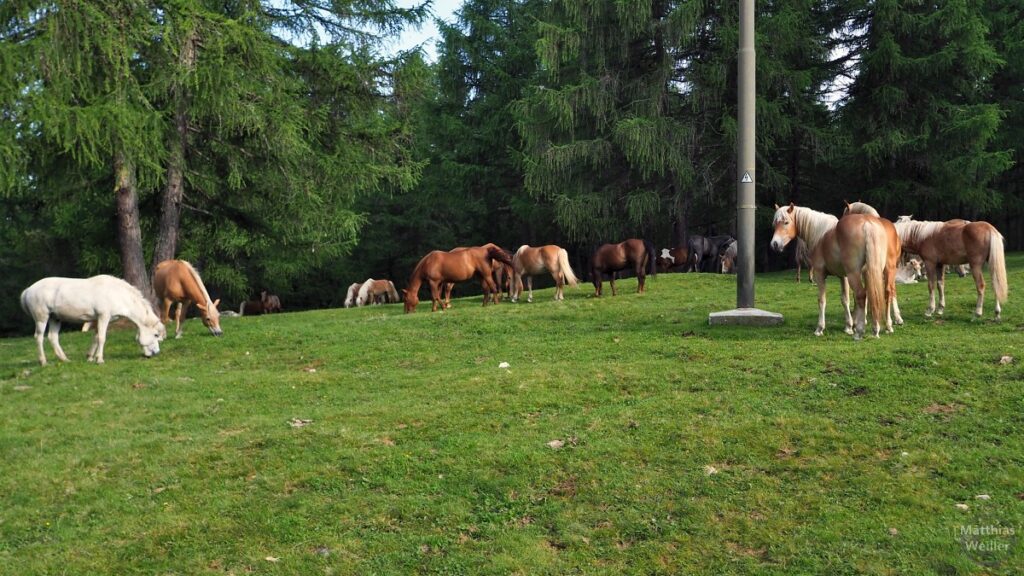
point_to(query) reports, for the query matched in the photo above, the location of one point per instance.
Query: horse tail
(652, 268)
(392, 293)
(496, 253)
(997, 263)
(517, 265)
(241, 309)
(876, 250)
(563, 264)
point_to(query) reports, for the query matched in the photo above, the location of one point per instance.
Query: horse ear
(216, 302)
(791, 207)
(847, 202)
(201, 306)
(776, 206)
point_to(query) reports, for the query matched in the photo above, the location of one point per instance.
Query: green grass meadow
(686, 449)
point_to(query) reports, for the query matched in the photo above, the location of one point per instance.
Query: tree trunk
(129, 231)
(174, 192)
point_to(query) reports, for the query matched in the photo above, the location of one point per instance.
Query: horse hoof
(819, 332)
(177, 336)
(849, 331)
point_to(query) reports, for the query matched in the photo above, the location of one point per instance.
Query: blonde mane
(811, 225)
(199, 281)
(913, 232)
(364, 291)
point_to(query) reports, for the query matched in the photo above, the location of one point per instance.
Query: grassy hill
(684, 448)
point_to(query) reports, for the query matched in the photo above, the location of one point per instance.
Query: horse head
(784, 224)
(411, 300)
(150, 335)
(211, 317)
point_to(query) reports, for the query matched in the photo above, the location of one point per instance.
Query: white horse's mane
(811, 225)
(914, 232)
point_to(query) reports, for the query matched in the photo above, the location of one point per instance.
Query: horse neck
(812, 225)
(914, 232)
(196, 290)
(140, 312)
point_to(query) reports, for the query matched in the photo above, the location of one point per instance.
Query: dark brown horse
(611, 258)
(439, 267)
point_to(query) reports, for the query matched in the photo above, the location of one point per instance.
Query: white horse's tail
(517, 266)
(876, 258)
(997, 263)
(392, 293)
(563, 263)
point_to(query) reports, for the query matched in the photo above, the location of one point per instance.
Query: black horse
(705, 252)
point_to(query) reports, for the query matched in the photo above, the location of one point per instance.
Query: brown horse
(957, 242)
(673, 258)
(502, 277)
(846, 248)
(177, 281)
(271, 303)
(252, 308)
(439, 267)
(892, 261)
(530, 261)
(611, 258)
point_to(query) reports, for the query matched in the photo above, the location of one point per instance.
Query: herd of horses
(868, 253)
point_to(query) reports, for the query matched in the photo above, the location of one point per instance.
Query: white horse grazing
(353, 291)
(99, 299)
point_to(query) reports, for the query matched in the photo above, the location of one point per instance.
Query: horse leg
(942, 290)
(40, 329)
(979, 283)
(96, 352)
(53, 335)
(435, 295)
(558, 285)
(165, 314)
(513, 291)
(844, 292)
(821, 310)
(932, 270)
(860, 296)
(611, 281)
(529, 284)
(182, 309)
(640, 281)
(595, 277)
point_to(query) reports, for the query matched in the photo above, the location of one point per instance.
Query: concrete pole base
(745, 317)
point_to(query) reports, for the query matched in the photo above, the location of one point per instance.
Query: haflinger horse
(957, 242)
(99, 299)
(892, 261)
(530, 261)
(843, 248)
(909, 273)
(611, 258)
(373, 290)
(673, 258)
(704, 251)
(177, 281)
(439, 267)
(353, 291)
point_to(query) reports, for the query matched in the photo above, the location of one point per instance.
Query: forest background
(280, 145)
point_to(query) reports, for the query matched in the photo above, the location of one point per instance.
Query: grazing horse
(704, 252)
(439, 267)
(957, 242)
(673, 258)
(530, 261)
(843, 248)
(372, 290)
(892, 262)
(271, 303)
(353, 291)
(252, 308)
(502, 276)
(177, 281)
(99, 299)
(727, 257)
(611, 258)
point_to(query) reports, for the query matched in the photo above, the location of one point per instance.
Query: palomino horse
(892, 261)
(530, 261)
(843, 248)
(372, 289)
(99, 299)
(353, 291)
(727, 257)
(611, 258)
(672, 258)
(439, 267)
(177, 281)
(704, 252)
(957, 242)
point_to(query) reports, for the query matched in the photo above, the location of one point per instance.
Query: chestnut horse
(957, 242)
(530, 261)
(502, 278)
(673, 258)
(892, 262)
(439, 267)
(177, 281)
(845, 248)
(271, 303)
(611, 258)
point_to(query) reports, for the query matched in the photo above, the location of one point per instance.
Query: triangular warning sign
(746, 178)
